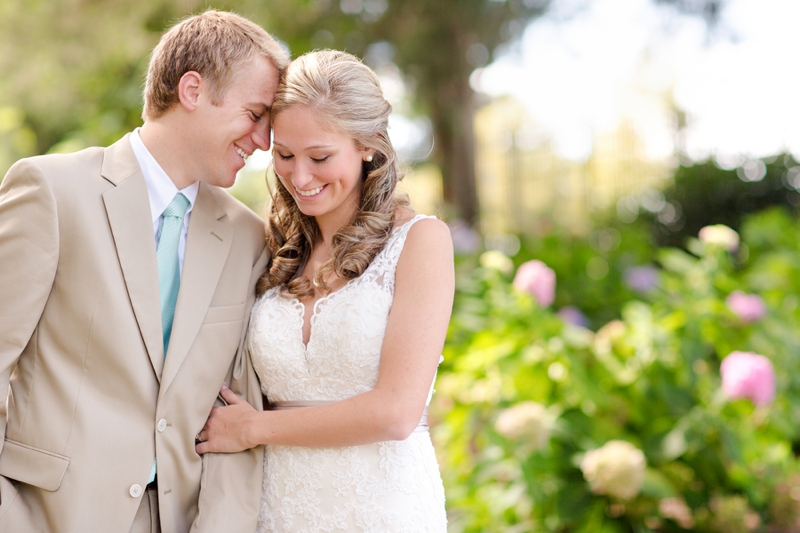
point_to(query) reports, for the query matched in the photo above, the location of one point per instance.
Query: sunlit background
(614, 94)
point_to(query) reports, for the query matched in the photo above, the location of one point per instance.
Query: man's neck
(163, 140)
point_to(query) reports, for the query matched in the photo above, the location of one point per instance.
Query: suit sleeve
(29, 248)
(230, 490)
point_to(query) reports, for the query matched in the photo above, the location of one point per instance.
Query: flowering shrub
(642, 425)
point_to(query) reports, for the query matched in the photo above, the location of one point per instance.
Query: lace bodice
(342, 357)
(391, 486)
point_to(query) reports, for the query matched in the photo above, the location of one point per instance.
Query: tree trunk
(455, 149)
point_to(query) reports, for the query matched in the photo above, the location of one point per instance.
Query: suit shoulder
(58, 162)
(243, 218)
(53, 168)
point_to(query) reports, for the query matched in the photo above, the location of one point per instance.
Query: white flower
(496, 260)
(526, 421)
(720, 235)
(616, 469)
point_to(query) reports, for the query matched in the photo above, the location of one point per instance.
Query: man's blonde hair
(214, 44)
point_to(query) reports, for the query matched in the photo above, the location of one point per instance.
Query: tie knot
(177, 207)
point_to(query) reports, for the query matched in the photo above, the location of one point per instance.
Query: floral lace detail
(391, 486)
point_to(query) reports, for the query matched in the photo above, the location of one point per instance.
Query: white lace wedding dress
(391, 486)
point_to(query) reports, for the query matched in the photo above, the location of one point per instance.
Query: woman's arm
(412, 346)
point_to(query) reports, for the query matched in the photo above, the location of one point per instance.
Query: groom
(126, 280)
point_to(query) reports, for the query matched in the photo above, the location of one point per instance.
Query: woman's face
(321, 169)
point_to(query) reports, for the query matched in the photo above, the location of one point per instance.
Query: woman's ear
(189, 89)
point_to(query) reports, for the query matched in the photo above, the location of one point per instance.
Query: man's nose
(261, 137)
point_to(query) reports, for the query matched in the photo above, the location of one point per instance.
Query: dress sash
(298, 404)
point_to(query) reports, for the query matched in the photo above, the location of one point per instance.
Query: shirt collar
(160, 188)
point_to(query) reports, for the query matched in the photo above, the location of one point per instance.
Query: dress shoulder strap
(385, 263)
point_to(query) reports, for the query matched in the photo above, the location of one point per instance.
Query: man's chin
(227, 181)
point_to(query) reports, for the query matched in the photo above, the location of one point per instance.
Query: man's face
(226, 134)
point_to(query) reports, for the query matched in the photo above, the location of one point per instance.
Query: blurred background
(621, 181)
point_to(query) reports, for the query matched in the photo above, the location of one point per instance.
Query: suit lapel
(127, 207)
(207, 245)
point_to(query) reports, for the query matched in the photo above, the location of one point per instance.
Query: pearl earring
(368, 159)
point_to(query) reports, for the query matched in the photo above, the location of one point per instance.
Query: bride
(349, 326)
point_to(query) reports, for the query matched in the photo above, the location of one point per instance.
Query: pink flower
(538, 279)
(748, 307)
(748, 375)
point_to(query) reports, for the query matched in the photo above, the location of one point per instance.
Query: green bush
(591, 270)
(524, 400)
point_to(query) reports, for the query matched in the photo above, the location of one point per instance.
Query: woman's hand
(228, 427)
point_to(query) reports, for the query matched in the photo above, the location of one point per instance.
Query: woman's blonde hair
(214, 44)
(347, 97)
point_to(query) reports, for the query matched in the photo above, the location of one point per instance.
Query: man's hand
(228, 428)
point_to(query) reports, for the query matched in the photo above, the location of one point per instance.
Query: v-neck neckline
(315, 307)
(315, 311)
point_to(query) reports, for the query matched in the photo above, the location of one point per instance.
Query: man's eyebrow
(260, 106)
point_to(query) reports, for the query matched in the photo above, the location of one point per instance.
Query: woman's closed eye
(320, 159)
(283, 157)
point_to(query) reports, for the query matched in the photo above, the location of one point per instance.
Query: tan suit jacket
(91, 398)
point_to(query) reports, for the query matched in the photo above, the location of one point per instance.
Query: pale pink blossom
(538, 279)
(676, 509)
(748, 375)
(748, 307)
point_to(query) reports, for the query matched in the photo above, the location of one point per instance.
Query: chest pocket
(224, 313)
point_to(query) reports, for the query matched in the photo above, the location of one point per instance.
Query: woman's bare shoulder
(429, 237)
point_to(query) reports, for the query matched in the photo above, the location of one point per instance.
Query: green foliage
(651, 379)
(591, 270)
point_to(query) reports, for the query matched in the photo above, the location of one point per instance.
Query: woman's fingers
(229, 396)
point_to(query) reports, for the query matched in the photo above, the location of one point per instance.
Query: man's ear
(189, 89)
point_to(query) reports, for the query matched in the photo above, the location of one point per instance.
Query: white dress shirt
(161, 190)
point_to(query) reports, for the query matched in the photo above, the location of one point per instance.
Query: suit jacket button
(135, 491)
(162, 425)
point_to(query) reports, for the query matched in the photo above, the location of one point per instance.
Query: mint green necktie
(169, 271)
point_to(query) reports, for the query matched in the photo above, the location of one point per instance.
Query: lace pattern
(391, 486)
